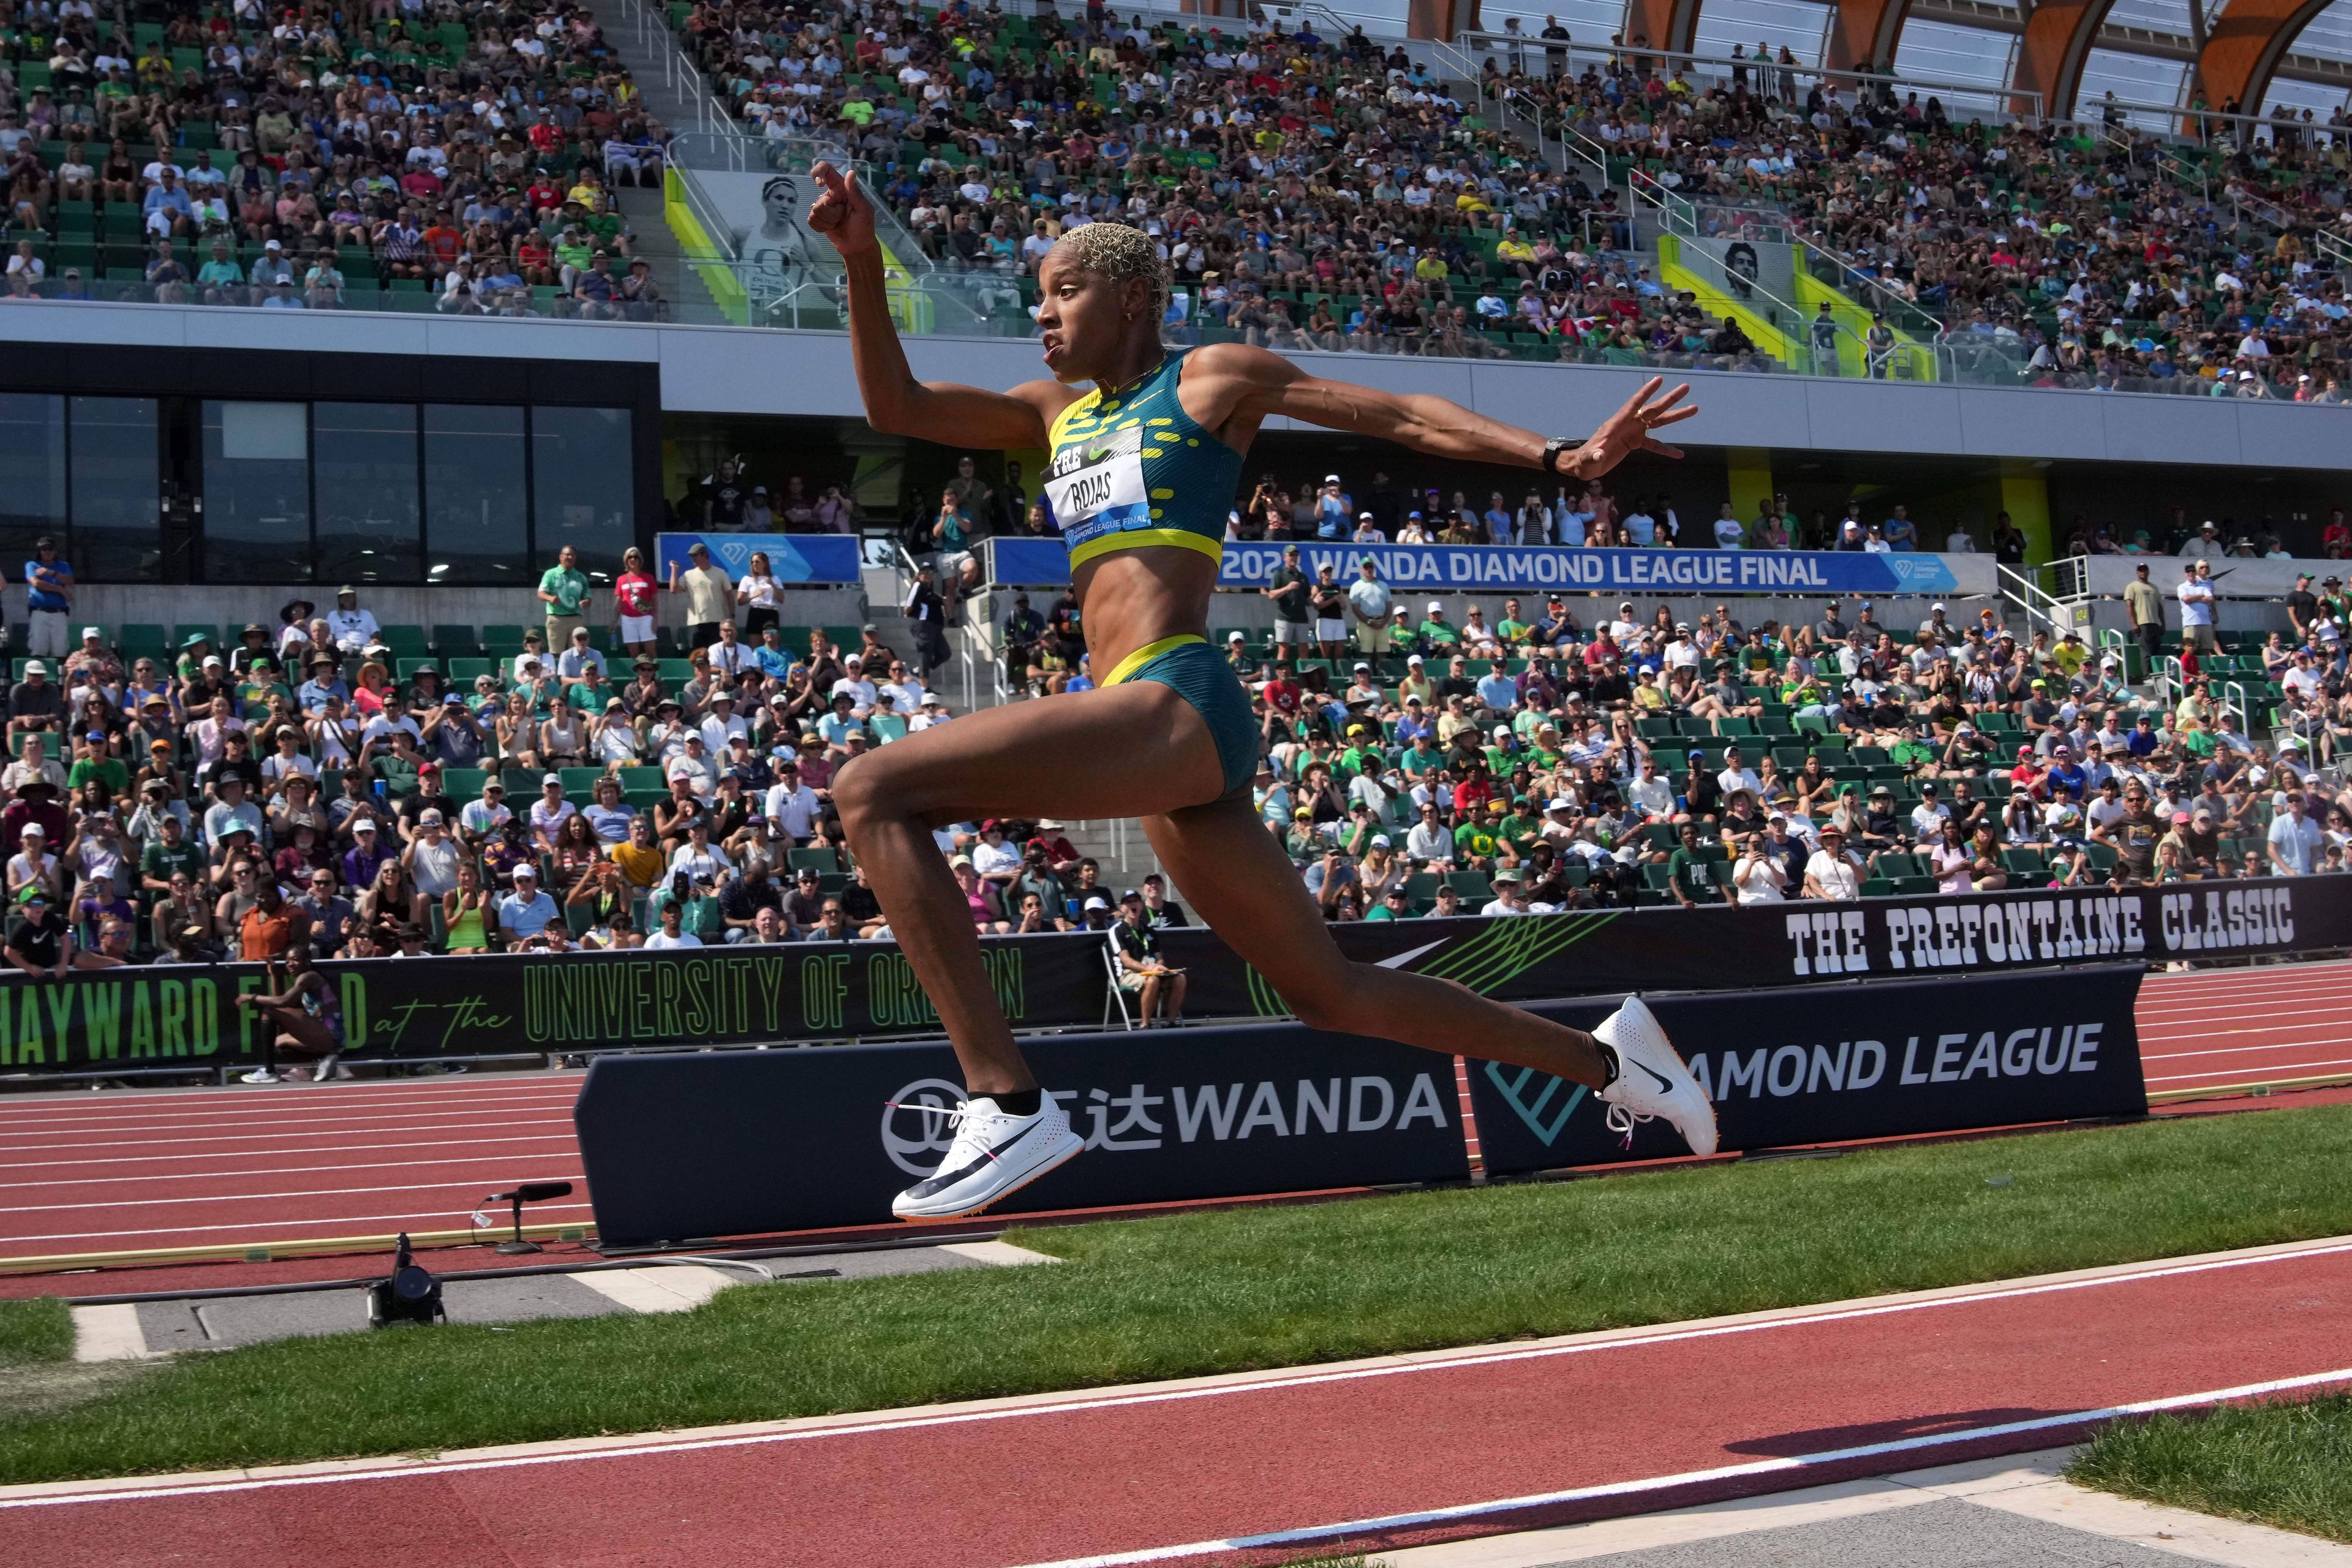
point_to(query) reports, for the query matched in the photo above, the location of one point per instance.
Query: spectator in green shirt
(1364, 754)
(1689, 876)
(170, 850)
(1435, 630)
(1523, 827)
(573, 250)
(220, 278)
(1511, 630)
(1911, 752)
(605, 230)
(564, 589)
(1474, 840)
(94, 762)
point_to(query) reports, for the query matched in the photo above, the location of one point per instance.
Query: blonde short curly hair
(1122, 255)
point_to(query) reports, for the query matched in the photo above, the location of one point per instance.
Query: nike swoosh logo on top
(939, 1181)
(1665, 1084)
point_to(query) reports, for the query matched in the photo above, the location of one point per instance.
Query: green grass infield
(2286, 1465)
(1214, 1293)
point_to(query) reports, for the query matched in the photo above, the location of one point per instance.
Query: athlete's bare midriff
(1131, 598)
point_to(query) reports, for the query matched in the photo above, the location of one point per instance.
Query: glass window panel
(256, 479)
(2133, 80)
(115, 491)
(1798, 25)
(1954, 57)
(2329, 36)
(476, 516)
(2321, 100)
(32, 472)
(583, 477)
(365, 457)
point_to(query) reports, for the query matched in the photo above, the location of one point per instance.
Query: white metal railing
(2233, 700)
(2065, 610)
(680, 74)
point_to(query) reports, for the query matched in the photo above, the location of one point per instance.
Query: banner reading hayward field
(791, 557)
(1449, 568)
(164, 1019)
(679, 1148)
(1826, 1064)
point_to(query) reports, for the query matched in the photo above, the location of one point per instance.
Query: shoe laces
(1621, 1118)
(963, 1121)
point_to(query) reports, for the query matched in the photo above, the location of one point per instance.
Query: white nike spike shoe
(1652, 1081)
(993, 1154)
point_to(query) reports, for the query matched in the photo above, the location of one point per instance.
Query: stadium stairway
(673, 90)
(690, 298)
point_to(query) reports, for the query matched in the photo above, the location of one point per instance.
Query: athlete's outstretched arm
(896, 402)
(1248, 385)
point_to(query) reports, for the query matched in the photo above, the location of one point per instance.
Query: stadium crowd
(1533, 761)
(461, 157)
(1536, 754)
(1326, 194)
(2086, 258)
(320, 785)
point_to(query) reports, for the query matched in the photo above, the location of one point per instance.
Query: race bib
(1096, 487)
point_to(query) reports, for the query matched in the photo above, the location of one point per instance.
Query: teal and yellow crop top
(1130, 468)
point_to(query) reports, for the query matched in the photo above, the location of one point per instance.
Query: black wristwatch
(1553, 448)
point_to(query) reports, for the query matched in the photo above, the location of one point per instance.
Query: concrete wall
(739, 370)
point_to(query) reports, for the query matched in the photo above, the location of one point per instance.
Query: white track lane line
(817, 1428)
(295, 1099)
(264, 1137)
(2233, 1072)
(2343, 1039)
(565, 1140)
(278, 1128)
(2235, 1019)
(453, 1088)
(270, 1171)
(248, 1100)
(270, 1197)
(261, 1225)
(1796, 1464)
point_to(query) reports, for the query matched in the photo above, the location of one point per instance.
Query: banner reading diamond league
(791, 557)
(1479, 568)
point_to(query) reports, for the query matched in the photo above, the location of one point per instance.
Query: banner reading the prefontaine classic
(1816, 1065)
(791, 557)
(1477, 568)
(1754, 946)
(186, 1018)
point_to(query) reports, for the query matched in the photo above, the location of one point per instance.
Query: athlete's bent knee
(863, 793)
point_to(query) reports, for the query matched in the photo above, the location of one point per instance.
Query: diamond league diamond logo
(1542, 1121)
(1926, 573)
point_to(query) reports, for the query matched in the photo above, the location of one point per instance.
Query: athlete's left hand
(1627, 431)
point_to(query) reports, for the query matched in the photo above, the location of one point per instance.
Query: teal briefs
(1194, 671)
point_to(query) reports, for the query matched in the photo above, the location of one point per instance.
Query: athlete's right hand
(842, 213)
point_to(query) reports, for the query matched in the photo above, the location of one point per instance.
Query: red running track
(151, 1172)
(2277, 1024)
(1263, 1468)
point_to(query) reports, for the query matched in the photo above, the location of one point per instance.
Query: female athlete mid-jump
(1141, 474)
